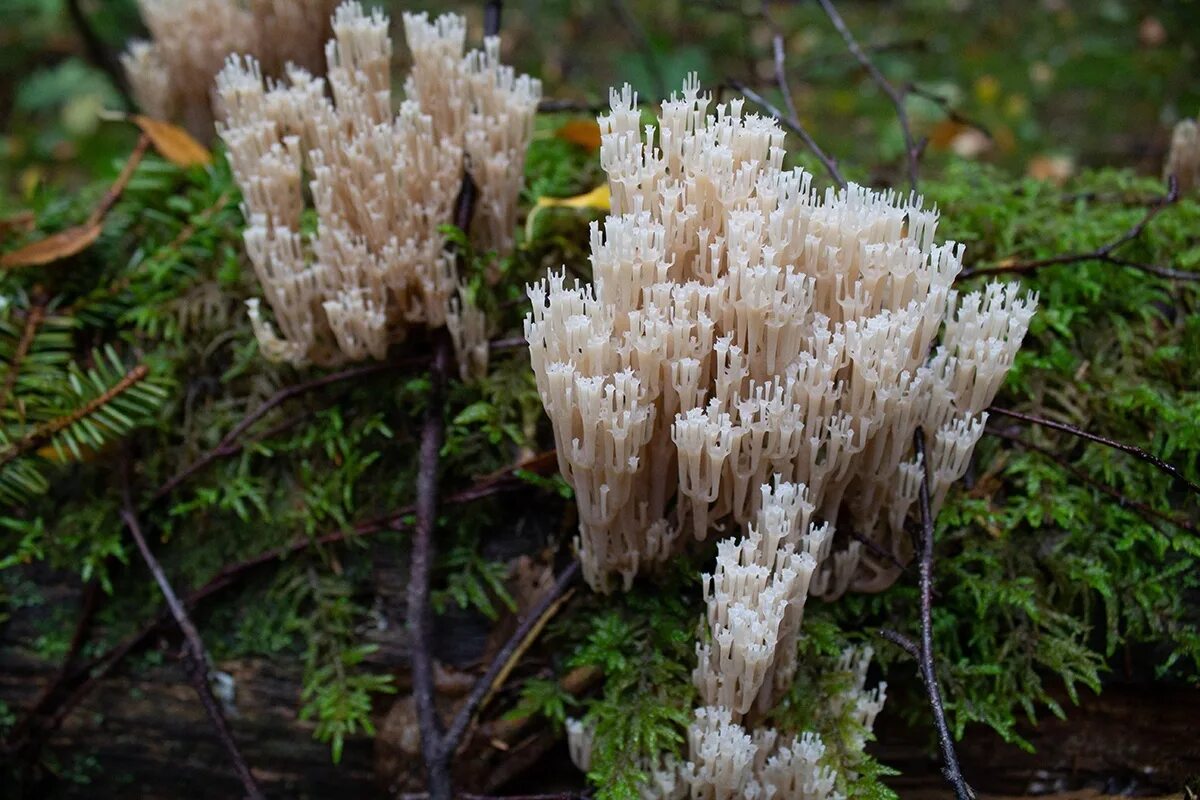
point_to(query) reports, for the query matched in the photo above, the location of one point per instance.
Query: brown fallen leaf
(21, 222)
(69, 242)
(52, 248)
(583, 132)
(173, 143)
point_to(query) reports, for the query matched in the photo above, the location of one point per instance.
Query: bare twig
(950, 768)
(911, 147)
(1132, 450)
(1123, 501)
(903, 642)
(230, 444)
(195, 656)
(530, 625)
(953, 114)
(792, 120)
(420, 617)
(1105, 253)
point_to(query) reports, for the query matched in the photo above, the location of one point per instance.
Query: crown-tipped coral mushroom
(741, 326)
(755, 601)
(172, 73)
(382, 185)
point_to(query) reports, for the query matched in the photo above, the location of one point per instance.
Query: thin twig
(950, 769)
(419, 613)
(195, 656)
(912, 149)
(483, 687)
(1105, 253)
(230, 444)
(87, 676)
(1132, 450)
(1080, 475)
(903, 642)
(791, 122)
(953, 114)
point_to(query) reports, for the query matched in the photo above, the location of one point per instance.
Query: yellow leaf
(52, 248)
(173, 143)
(599, 198)
(583, 132)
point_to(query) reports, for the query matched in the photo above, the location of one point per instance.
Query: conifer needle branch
(791, 119)
(33, 321)
(501, 663)
(1105, 253)
(897, 96)
(45, 432)
(950, 767)
(195, 656)
(1132, 450)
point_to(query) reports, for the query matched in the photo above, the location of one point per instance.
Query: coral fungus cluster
(742, 326)
(382, 184)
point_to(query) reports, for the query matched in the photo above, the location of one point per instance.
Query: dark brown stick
(1132, 450)
(912, 149)
(195, 656)
(462, 720)
(420, 616)
(950, 768)
(1105, 253)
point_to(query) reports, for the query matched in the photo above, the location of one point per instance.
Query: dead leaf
(52, 248)
(599, 198)
(1052, 168)
(172, 142)
(21, 222)
(583, 132)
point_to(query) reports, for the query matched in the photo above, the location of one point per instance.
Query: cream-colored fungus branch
(382, 184)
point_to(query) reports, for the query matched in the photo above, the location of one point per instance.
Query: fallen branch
(87, 676)
(1105, 253)
(1132, 450)
(195, 656)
